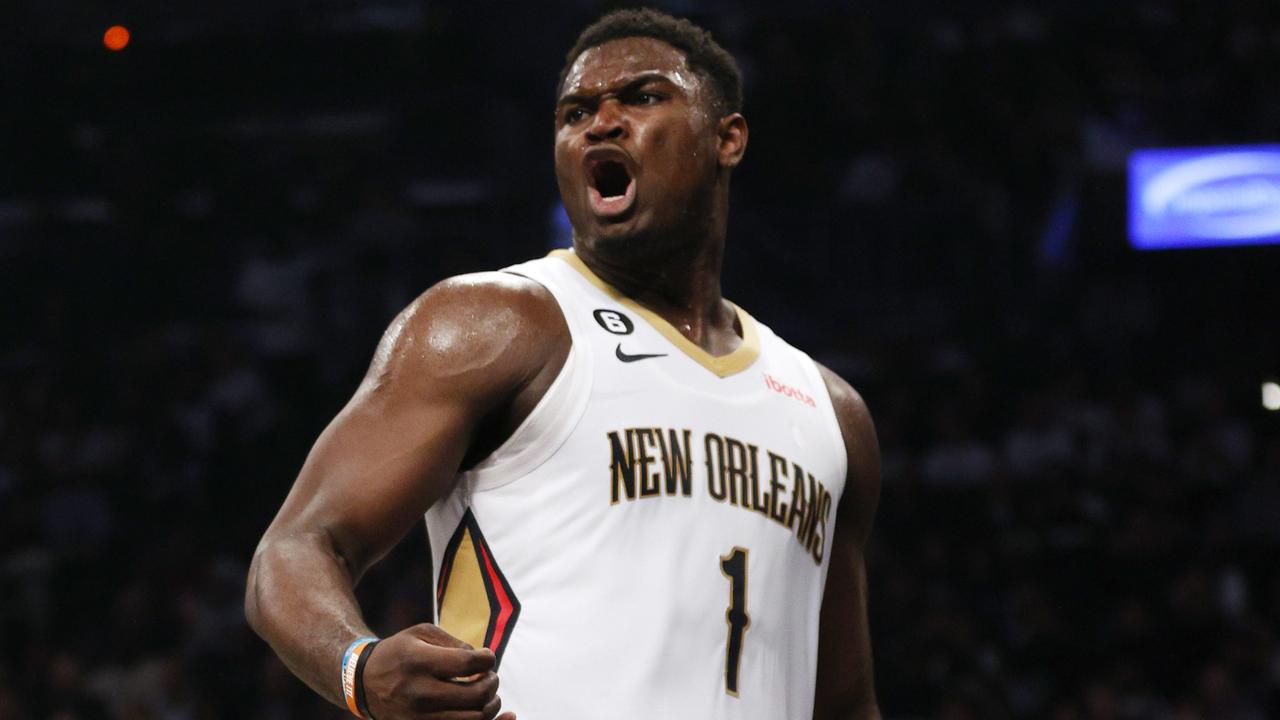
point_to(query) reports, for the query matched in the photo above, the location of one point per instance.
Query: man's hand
(424, 672)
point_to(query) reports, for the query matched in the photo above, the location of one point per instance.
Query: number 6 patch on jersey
(475, 603)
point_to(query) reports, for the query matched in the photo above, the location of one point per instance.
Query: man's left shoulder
(850, 408)
(861, 445)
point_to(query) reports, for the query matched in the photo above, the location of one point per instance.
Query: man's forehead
(610, 63)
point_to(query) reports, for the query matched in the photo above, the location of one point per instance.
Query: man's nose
(609, 121)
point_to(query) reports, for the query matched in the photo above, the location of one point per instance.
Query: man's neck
(682, 286)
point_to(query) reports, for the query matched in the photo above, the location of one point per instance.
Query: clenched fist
(424, 673)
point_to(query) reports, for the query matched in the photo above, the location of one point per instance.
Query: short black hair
(703, 54)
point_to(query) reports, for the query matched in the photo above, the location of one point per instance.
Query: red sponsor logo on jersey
(792, 392)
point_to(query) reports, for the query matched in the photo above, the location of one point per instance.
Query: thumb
(486, 656)
(433, 635)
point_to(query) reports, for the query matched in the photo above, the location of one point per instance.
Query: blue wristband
(349, 661)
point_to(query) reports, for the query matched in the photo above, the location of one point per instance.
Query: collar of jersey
(722, 365)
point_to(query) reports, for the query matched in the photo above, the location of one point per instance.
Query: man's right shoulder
(490, 327)
(493, 298)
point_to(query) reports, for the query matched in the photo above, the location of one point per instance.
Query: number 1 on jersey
(734, 567)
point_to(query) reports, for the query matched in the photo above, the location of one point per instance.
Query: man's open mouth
(612, 189)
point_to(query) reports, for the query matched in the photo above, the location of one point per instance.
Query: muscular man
(642, 503)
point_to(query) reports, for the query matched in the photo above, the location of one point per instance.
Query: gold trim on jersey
(473, 599)
(723, 365)
(464, 609)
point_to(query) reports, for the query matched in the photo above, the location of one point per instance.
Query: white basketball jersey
(651, 543)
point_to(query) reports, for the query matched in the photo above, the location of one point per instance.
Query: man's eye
(644, 98)
(573, 115)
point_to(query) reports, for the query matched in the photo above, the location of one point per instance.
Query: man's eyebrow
(630, 84)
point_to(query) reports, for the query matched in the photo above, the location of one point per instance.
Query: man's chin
(617, 239)
(620, 227)
(630, 243)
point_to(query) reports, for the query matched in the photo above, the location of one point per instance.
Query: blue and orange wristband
(353, 662)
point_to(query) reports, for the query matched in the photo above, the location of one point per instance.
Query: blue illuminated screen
(1204, 197)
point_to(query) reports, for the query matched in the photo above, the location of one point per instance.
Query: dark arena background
(204, 232)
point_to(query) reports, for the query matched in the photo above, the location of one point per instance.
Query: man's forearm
(299, 599)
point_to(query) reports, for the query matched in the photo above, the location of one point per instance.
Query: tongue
(609, 205)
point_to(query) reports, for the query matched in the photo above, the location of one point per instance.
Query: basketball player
(642, 504)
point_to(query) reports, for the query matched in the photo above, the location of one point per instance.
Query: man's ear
(733, 139)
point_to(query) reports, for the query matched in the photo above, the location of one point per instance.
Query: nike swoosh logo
(624, 357)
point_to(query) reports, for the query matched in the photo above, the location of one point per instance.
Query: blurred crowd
(1081, 506)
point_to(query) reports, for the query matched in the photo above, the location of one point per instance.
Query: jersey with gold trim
(652, 541)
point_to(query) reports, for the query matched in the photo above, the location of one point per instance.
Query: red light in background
(116, 37)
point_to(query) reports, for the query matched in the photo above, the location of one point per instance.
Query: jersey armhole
(833, 421)
(552, 419)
